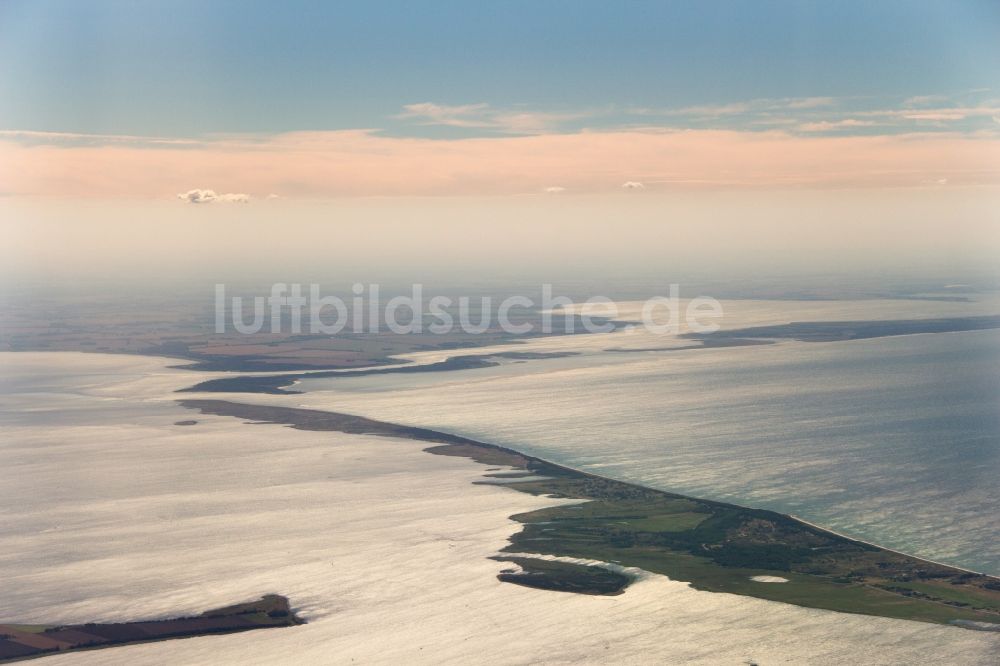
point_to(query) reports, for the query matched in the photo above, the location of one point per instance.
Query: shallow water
(892, 440)
(112, 512)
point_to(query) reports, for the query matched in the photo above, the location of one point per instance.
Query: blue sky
(197, 68)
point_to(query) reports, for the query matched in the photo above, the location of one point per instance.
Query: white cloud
(198, 196)
(209, 196)
(709, 110)
(752, 106)
(633, 185)
(464, 115)
(924, 100)
(530, 122)
(936, 115)
(828, 125)
(806, 114)
(554, 189)
(806, 103)
(483, 116)
(74, 138)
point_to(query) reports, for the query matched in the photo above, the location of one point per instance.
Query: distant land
(183, 329)
(742, 337)
(276, 384)
(832, 331)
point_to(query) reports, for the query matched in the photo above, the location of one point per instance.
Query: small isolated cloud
(483, 116)
(936, 115)
(633, 185)
(77, 139)
(198, 196)
(938, 182)
(209, 196)
(831, 125)
(711, 110)
(272, 197)
(807, 102)
(463, 115)
(924, 100)
(753, 106)
(554, 189)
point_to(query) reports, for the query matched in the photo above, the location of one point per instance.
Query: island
(22, 641)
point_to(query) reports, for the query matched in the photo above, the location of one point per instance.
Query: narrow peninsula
(715, 546)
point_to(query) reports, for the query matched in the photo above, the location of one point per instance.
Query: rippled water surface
(893, 440)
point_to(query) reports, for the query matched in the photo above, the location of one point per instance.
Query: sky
(645, 109)
(186, 69)
(395, 98)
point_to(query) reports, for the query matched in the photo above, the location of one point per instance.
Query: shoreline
(572, 574)
(19, 642)
(890, 550)
(712, 545)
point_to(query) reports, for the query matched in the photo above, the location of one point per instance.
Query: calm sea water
(109, 511)
(893, 440)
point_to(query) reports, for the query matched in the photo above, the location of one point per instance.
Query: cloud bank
(366, 163)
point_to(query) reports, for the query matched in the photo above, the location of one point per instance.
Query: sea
(113, 508)
(892, 440)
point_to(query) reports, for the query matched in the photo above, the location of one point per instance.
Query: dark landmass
(943, 299)
(563, 576)
(276, 384)
(715, 546)
(760, 335)
(830, 331)
(18, 641)
(707, 343)
(313, 419)
(534, 355)
(186, 423)
(182, 327)
(265, 352)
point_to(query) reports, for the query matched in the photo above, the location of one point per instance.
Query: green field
(719, 547)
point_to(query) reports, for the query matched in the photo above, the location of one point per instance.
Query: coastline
(415, 541)
(889, 550)
(20, 642)
(714, 546)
